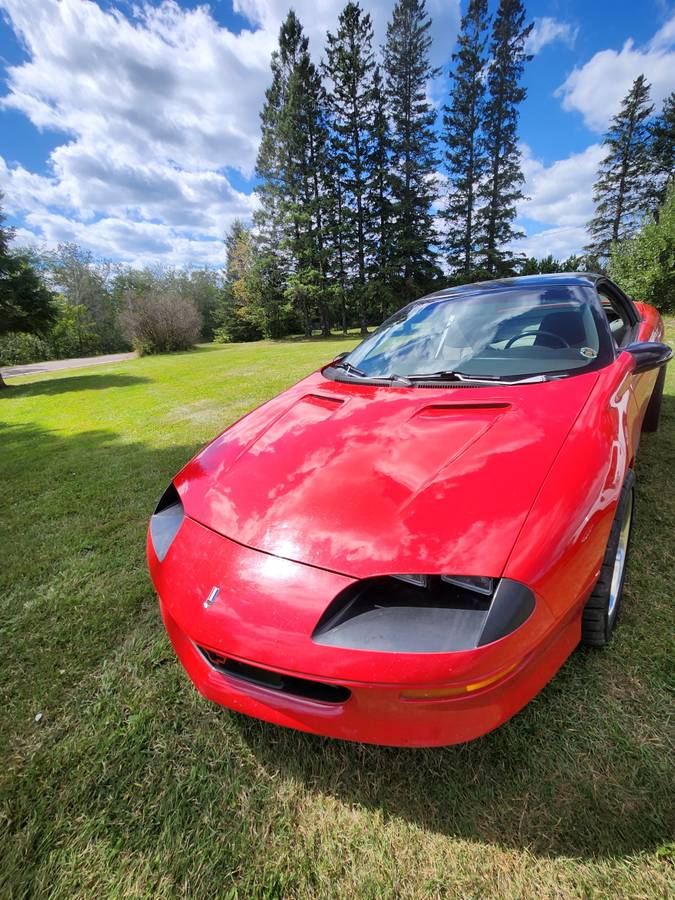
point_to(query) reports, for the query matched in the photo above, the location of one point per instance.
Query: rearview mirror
(649, 354)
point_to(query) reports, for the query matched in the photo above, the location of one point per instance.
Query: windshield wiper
(348, 367)
(352, 370)
(451, 375)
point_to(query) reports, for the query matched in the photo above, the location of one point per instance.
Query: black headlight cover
(389, 615)
(166, 521)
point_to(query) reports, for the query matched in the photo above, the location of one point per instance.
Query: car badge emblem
(211, 599)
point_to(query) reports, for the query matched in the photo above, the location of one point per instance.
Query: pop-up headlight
(166, 521)
(424, 613)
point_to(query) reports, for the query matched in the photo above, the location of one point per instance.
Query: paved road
(55, 365)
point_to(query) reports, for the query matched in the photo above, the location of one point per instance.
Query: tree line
(354, 181)
(367, 199)
(64, 302)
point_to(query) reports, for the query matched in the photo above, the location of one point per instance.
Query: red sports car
(404, 547)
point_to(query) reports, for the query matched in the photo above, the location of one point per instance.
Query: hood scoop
(450, 410)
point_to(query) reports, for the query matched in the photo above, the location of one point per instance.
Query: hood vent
(446, 410)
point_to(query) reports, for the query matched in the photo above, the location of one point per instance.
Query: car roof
(584, 279)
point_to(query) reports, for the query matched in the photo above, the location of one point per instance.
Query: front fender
(560, 548)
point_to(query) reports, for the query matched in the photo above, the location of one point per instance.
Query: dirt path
(55, 365)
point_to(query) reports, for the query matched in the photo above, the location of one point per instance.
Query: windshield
(505, 333)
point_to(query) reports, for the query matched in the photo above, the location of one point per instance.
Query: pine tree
(465, 158)
(241, 316)
(350, 68)
(624, 184)
(380, 204)
(502, 188)
(413, 161)
(335, 229)
(663, 151)
(271, 227)
(305, 136)
(291, 166)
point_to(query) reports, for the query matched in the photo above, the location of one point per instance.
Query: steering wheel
(556, 337)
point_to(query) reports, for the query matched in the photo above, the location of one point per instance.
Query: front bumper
(264, 616)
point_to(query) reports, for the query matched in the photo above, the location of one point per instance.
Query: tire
(602, 608)
(651, 419)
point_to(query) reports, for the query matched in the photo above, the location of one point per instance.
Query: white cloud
(547, 30)
(559, 242)
(560, 197)
(157, 105)
(560, 194)
(597, 88)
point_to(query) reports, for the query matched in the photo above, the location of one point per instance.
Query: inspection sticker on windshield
(588, 352)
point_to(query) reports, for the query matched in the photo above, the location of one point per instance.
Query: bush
(18, 348)
(160, 322)
(644, 266)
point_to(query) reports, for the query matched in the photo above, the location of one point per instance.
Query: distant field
(132, 785)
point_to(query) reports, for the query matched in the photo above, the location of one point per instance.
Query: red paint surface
(332, 482)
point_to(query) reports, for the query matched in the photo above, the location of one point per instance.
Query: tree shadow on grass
(75, 382)
(582, 771)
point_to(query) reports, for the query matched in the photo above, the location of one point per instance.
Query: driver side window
(619, 322)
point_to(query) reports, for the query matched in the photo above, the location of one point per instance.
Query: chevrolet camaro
(405, 546)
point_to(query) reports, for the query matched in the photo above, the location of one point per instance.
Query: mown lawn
(132, 785)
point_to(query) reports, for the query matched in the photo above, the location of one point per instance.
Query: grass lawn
(132, 785)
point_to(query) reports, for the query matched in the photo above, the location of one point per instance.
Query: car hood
(367, 480)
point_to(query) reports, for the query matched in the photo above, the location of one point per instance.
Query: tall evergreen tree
(350, 68)
(271, 226)
(502, 188)
(413, 161)
(292, 167)
(663, 150)
(336, 236)
(624, 184)
(380, 204)
(464, 152)
(304, 133)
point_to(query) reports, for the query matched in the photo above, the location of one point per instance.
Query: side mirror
(649, 355)
(340, 356)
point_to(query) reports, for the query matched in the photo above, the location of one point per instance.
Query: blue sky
(132, 128)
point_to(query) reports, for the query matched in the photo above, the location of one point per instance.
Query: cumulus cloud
(158, 103)
(561, 193)
(559, 197)
(547, 30)
(558, 242)
(597, 88)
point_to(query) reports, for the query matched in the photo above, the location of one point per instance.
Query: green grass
(132, 785)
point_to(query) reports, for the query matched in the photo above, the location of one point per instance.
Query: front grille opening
(284, 684)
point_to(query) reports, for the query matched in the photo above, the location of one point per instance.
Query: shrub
(160, 322)
(644, 266)
(18, 348)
